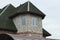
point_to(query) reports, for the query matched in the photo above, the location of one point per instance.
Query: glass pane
(34, 21)
(23, 20)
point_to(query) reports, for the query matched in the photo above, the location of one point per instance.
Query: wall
(25, 37)
(22, 36)
(29, 27)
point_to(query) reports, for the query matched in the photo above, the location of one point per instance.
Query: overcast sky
(49, 7)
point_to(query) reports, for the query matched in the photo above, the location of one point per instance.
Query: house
(22, 23)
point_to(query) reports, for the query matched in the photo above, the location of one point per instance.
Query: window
(23, 20)
(34, 21)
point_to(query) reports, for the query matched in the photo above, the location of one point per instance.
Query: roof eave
(25, 12)
(45, 33)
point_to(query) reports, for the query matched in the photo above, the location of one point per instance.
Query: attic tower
(28, 20)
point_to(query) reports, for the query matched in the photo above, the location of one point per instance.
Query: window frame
(34, 21)
(23, 22)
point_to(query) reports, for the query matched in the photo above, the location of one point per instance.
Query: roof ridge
(4, 9)
(28, 8)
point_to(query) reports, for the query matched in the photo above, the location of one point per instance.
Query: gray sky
(49, 7)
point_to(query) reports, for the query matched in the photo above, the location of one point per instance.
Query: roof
(46, 33)
(0, 10)
(8, 10)
(29, 7)
(6, 23)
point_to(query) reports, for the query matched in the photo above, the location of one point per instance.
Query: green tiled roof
(0, 10)
(10, 10)
(6, 23)
(32, 9)
(45, 33)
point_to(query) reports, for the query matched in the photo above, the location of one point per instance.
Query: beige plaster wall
(28, 27)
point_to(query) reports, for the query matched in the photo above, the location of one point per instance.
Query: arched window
(5, 37)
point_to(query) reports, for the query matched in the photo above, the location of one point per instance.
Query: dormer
(28, 18)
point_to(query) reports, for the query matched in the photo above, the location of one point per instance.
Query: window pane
(34, 21)
(23, 20)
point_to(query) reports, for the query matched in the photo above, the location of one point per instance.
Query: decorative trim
(29, 33)
(28, 6)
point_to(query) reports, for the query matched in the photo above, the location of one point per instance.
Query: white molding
(28, 6)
